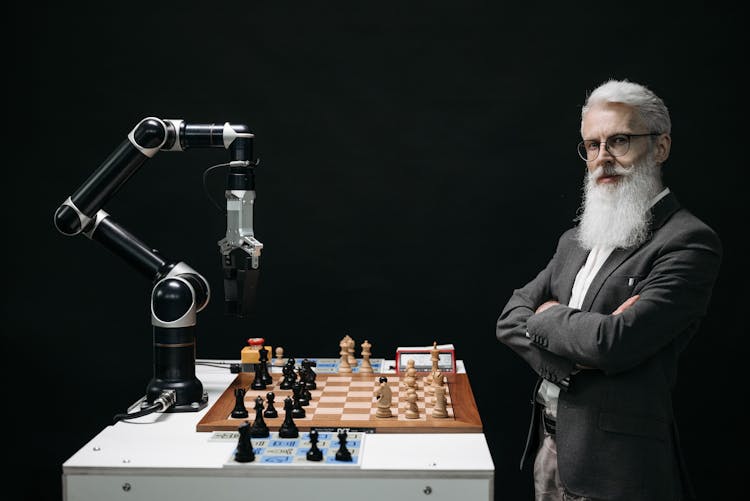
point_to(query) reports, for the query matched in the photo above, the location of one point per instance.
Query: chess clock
(422, 356)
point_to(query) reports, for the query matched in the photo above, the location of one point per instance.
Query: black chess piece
(343, 453)
(244, 452)
(314, 454)
(288, 429)
(270, 411)
(297, 410)
(310, 374)
(239, 404)
(264, 374)
(258, 383)
(289, 377)
(305, 395)
(259, 428)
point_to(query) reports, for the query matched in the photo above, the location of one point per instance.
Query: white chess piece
(439, 410)
(278, 361)
(366, 367)
(385, 396)
(344, 366)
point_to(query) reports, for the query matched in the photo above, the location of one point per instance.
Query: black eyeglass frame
(582, 150)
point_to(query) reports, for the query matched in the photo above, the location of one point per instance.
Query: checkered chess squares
(340, 398)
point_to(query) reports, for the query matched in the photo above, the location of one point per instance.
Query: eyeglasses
(616, 145)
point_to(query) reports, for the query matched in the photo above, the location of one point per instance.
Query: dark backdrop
(417, 164)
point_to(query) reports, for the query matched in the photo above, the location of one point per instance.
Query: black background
(417, 164)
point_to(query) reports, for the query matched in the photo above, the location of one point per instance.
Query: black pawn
(314, 454)
(244, 452)
(239, 404)
(288, 429)
(343, 453)
(264, 374)
(258, 383)
(259, 428)
(270, 411)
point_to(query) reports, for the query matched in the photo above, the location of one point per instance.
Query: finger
(627, 304)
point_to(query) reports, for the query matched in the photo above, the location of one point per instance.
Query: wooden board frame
(465, 418)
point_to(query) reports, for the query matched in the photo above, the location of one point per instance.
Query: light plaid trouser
(547, 485)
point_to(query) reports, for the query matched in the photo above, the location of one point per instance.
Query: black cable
(143, 412)
(165, 401)
(205, 186)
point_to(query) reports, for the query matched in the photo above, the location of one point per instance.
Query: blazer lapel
(571, 265)
(663, 209)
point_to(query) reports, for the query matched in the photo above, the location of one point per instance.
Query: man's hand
(545, 305)
(627, 304)
(624, 306)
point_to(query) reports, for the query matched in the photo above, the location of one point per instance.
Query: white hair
(648, 106)
(618, 215)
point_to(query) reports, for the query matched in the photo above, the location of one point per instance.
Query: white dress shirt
(548, 392)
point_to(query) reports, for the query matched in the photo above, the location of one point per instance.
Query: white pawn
(412, 410)
(279, 360)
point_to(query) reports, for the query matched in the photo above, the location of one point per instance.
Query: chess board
(293, 451)
(348, 401)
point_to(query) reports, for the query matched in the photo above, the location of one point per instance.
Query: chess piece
(434, 359)
(278, 361)
(314, 454)
(310, 374)
(412, 410)
(259, 428)
(288, 429)
(410, 380)
(343, 453)
(258, 383)
(239, 404)
(384, 395)
(366, 367)
(270, 411)
(437, 379)
(344, 366)
(350, 352)
(439, 410)
(244, 452)
(264, 374)
(297, 410)
(289, 376)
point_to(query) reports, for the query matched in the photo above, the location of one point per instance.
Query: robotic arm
(179, 292)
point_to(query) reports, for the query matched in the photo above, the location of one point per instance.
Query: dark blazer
(616, 433)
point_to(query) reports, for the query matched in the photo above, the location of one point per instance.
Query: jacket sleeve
(673, 298)
(511, 330)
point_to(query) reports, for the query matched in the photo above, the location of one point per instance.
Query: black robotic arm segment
(119, 241)
(178, 296)
(146, 138)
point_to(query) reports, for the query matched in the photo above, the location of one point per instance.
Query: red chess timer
(423, 355)
(250, 354)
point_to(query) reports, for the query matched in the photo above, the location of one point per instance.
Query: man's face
(606, 120)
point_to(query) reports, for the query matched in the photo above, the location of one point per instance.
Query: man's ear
(662, 147)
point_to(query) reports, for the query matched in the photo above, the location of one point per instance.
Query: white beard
(618, 215)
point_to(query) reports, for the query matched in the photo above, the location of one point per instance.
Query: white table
(162, 457)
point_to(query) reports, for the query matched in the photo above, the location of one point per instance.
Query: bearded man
(604, 323)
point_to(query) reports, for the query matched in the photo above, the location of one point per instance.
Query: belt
(549, 423)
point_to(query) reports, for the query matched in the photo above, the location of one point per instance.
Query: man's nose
(604, 157)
